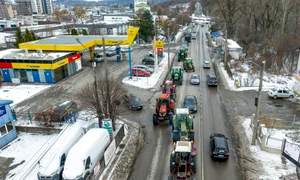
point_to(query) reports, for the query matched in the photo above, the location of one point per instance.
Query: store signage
(5, 65)
(2, 110)
(30, 66)
(73, 58)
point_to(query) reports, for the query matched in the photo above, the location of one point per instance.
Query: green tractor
(188, 65)
(182, 128)
(182, 54)
(177, 75)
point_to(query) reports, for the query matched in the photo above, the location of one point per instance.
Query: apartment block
(6, 10)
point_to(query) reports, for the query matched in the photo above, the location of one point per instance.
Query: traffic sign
(159, 44)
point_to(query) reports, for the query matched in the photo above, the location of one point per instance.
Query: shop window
(6, 128)
(9, 126)
(3, 130)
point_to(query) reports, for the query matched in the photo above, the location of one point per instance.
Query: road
(153, 160)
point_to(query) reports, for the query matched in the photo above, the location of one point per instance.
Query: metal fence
(292, 152)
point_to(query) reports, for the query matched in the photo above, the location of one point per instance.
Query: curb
(121, 164)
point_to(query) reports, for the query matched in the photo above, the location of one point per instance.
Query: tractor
(164, 109)
(182, 54)
(183, 160)
(169, 88)
(182, 128)
(188, 65)
(177, 75)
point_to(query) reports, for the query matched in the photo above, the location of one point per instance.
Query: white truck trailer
(86, 157)
(52, 163)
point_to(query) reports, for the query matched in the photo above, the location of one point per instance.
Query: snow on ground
(20, 92)
(149, 82)
(272, 163)
(2, 37)
(25, 150)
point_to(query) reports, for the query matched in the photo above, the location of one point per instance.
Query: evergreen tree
(84, 32)
(34, 36)
(28, 36)
(74, 32)
(19, 37)
(143, 19)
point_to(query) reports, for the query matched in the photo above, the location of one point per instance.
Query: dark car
(148, 60)
(133, 101)
(190, 102)
(218, 146)
(212, 80)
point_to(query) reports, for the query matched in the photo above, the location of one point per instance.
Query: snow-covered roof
(183, 146)
(231, 44)
(20, 54)
(182, 111)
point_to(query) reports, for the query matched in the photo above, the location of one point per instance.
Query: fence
(292, 152)
(119, 136)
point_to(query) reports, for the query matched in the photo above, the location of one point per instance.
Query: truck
(51, 165)
(86, 158)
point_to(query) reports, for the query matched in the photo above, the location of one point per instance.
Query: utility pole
(255, 122)
(225, 47)
(169, 66)
(104, 58)
(154, 46)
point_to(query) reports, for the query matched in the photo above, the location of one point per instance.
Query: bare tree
(47, 116)
(104, 98)
(80, 12)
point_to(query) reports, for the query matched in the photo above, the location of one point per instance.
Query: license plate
(221, 155)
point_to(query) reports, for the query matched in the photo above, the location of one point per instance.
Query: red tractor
(169, 88)
(164, 109)
(183, 160)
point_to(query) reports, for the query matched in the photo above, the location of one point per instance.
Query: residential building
(6, 10)
(141, 4)
(45, 6)
(26, 7)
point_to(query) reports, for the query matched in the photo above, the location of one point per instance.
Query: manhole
(122, 146)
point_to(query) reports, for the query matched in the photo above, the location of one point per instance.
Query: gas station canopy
(79, 43)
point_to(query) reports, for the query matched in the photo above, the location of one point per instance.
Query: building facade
(7, 128)
(17, 65)
(6, 10)
(45, 6)
(141, 4)
(25, 7)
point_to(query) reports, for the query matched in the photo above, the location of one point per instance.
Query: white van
(86, 157)
(52, 163)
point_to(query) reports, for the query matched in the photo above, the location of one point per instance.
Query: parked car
(190, 102)
(206, 64)
(110, 53)
(151, 70)
(148, 60)
(98, 58)
(194, 37)
(212, 80)
(150, 53)
(140, 72)
(133, 101)
(195, 79)
(280, 93)
(219, 146)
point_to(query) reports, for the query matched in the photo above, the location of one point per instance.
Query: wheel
(155, 120)
(180, 83)
(193, 164)
(192, 136)
(170, 120)
(175, 136)
(87, 176)
(291, 96)
(193, 69)
(275, 97)
(172, 164)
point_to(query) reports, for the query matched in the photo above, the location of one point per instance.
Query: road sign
(159, 44)
(107, 124)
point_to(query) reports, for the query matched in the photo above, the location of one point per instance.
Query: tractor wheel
(155, 120)
(175, 136)
(170, 177)
(170, 120)
(193, 164)
(192, 136)
(180, 81)
(172, 164)
(193, 69)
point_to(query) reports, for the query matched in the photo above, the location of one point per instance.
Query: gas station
(53, 59)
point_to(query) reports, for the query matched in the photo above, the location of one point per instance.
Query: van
(52, 163)
(86, 157)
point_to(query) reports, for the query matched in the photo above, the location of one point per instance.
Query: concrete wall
(45, 130)
(262, 137)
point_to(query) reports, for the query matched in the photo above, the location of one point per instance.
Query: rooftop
(21, 54)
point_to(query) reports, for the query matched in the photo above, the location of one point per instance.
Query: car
(98, 58)
(194, 37)
(195, 79)
(280, 93)
(140, 72)
(133, 101)
(212, 80)
(190, 102)
(218, 146)
(206, 64)
(110, 53)
(151, 70)
(150, 53)
(148, 60)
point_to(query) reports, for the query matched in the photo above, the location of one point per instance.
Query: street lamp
(255, 121)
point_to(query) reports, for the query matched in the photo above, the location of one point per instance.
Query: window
(279, 91)
(6, 129)
(63, 159)
(88, 162)
(285, 91)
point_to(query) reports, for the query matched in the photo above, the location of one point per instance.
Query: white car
(206, 64)
(280, 93)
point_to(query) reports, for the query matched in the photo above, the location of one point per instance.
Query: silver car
(280, 93)
(206, 64)
(195, 79)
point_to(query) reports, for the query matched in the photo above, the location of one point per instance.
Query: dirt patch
(271, 122)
